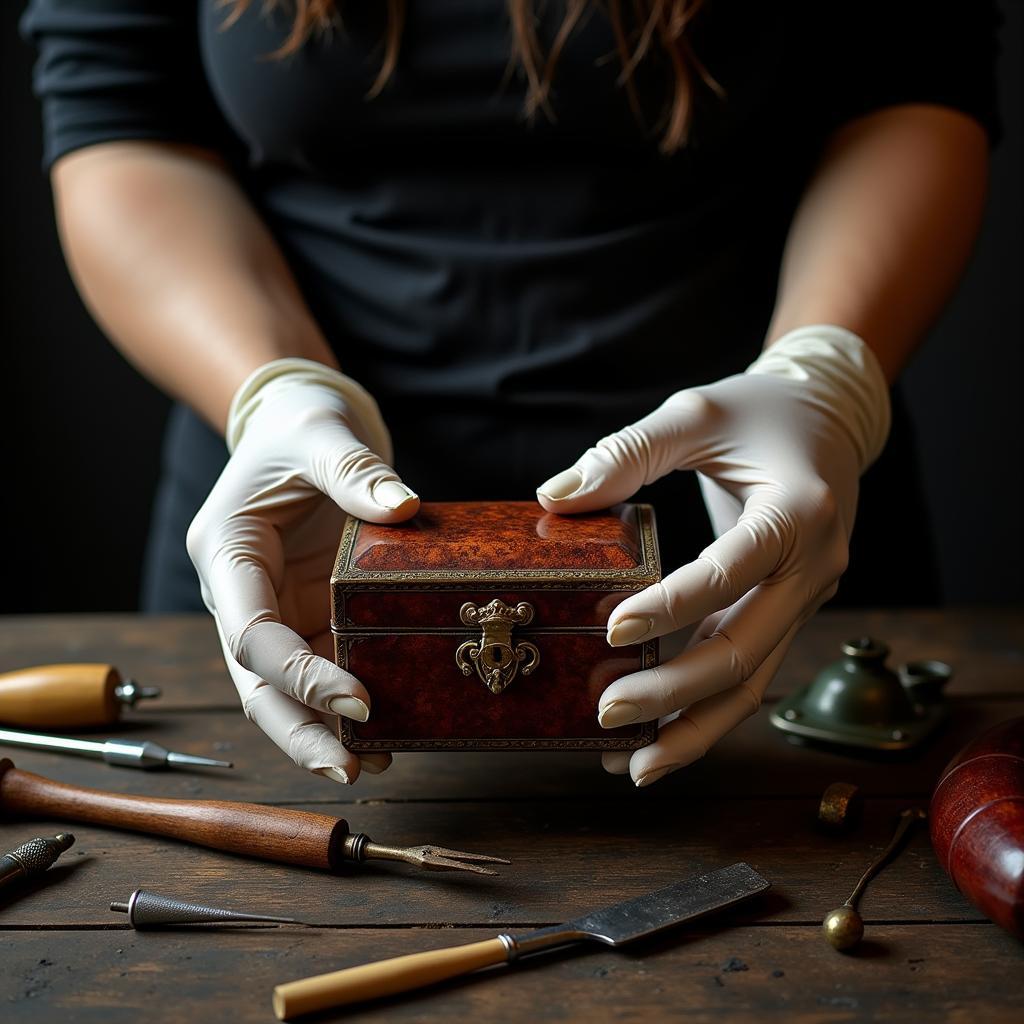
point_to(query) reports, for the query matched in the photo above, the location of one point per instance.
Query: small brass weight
(844, 927)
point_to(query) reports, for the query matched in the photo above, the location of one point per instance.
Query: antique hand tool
(151, 910)
(614, 926)
(253, 830)
(33, 858)
(844, 927)
(977, 823)
(68, 696)
(126, 753)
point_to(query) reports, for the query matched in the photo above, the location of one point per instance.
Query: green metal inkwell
(859, 702)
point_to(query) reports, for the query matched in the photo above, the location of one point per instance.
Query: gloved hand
(308, 444)
(778, 450)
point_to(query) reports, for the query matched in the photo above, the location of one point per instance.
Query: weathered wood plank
(567, 857)
(578, 838)
(180, 653)
(951, 973)
(753, 760)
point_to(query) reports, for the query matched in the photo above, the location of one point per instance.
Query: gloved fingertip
(629, 630)
(616, 762)
(561, 485)
(337, 773)
(619, 712)
(652, 776)
(349, 707)
(393, 495)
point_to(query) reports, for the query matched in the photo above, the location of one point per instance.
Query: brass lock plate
(494, 656)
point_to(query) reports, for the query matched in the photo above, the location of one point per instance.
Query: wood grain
(578, 838)
(753, 760)
(748, 975)
(567, 858)
(180, 653)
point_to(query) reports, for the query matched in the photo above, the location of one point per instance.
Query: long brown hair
(666, 21)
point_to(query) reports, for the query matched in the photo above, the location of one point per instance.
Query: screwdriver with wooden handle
(74, 696)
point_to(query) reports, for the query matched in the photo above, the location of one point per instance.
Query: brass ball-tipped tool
(126, 753)
(844, 927)
(151, 910)
(33, 858)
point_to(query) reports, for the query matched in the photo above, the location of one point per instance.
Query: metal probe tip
(65, 840)
(173, 757)
(129, 692)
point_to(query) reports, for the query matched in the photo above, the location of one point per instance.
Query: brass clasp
(494, 656)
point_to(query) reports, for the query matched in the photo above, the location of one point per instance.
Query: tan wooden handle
(74, 696)
(384, 978)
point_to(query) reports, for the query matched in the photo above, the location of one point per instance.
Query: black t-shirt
(510, 290)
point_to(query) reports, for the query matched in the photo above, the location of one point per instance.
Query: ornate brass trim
(647, 734)
(495, 657)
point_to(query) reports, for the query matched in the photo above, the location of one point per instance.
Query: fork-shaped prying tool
(280, 834)
(360, 847)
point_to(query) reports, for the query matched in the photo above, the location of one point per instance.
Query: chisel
(614, 926)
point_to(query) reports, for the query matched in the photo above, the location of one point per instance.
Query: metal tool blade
(635, 919)
(683, 901)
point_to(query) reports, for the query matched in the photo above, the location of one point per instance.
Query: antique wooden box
(481, 625)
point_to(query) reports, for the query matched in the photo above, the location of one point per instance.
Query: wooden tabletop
(578, 838)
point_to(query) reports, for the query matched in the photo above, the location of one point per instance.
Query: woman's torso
(510, 289)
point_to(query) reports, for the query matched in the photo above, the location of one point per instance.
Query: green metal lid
(858, 701)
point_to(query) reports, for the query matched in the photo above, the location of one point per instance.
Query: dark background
(81, 430)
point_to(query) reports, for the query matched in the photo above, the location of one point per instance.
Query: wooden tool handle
(384, 978)
(254, 830)
(60, 696)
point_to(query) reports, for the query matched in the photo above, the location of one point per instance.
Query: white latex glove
(307, 443)
(779, 450)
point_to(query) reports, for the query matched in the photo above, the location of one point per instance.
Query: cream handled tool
(614, 926)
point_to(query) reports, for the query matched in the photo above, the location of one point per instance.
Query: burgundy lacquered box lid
(460, 542)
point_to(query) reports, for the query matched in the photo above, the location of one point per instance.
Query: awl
(614, 926)
(152, 910)
(128, 753)
(76, 696)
